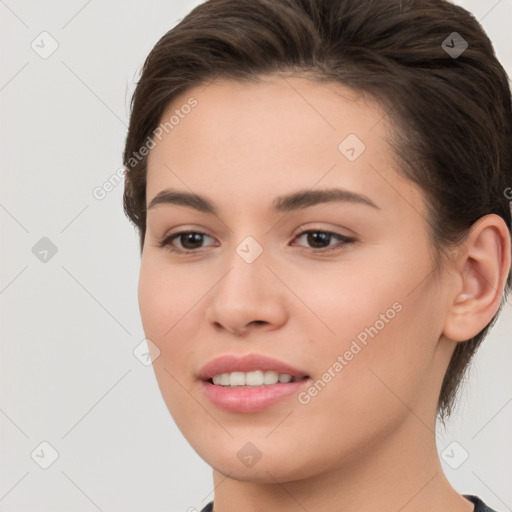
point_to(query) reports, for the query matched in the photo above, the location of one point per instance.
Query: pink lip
(247, 363)
(254, 399)
(249, 399)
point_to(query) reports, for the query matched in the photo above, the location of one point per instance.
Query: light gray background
(69, 325)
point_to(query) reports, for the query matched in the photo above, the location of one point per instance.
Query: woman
(320, 189)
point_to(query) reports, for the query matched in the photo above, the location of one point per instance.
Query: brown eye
(321, 240)
(188, 241)
(191, 240)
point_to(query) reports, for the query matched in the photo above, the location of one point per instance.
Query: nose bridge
(247, 274)
(248, 291)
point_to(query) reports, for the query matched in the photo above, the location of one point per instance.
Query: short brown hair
(452, 113)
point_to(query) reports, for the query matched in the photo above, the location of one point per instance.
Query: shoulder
(209, 507)
(480, 506)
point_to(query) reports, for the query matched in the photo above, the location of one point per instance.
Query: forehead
(261, 139)
(273, 112)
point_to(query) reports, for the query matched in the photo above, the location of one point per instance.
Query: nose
(249, 296)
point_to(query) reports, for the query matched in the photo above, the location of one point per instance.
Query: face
(336, 287)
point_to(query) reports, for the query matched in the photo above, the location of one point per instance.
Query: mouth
(232, 370)
(250, 383)
(255, 378)
(253, 391)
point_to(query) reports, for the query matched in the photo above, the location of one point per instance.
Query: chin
(268, 466)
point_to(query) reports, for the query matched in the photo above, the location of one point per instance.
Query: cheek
(165, 302)
(351, 301)
(165, 298)
(378, 332)
(368, 377)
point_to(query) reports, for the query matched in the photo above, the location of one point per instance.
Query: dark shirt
(480, 506)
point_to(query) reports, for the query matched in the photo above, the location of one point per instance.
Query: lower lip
(253, 399)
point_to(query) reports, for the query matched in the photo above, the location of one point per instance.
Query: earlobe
(483, 266)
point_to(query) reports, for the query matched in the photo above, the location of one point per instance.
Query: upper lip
(246, 363)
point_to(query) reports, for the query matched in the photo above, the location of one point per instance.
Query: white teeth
(271, 378)
(224, 379)
(254, 378)
(237, 379)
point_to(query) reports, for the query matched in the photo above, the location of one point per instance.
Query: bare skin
(366, 442)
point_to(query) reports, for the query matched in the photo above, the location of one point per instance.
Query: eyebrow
(286, 203)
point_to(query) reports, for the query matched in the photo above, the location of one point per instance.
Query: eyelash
(345, 240)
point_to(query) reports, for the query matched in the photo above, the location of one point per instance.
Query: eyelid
(338, 231)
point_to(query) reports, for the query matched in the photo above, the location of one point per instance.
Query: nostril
(258, 322)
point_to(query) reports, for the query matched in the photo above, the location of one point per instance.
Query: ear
(482, 267)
